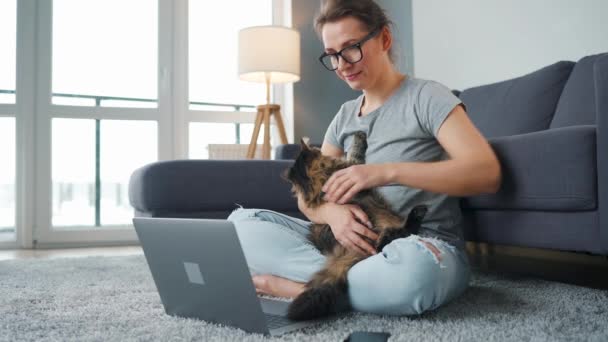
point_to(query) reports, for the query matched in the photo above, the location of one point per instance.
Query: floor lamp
(268, 54)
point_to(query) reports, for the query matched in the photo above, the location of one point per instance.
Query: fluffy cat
(326, 293)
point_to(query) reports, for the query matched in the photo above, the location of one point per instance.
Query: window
(7, 178)
(104, 63)
(214, 86)
(8, 27)
(92, 162)
(8, 55)
(105, 52)
(125, 146)
(212, 50)
(104, 87)
(73, 172)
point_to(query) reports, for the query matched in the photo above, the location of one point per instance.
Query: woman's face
(346, 32)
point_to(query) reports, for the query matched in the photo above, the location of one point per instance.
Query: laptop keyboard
(275, 321)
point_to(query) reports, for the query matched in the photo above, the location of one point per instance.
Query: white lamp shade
(272, 50)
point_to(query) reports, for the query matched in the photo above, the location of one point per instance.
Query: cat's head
(309, 172)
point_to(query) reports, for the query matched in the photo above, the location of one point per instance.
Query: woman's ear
(387, 38)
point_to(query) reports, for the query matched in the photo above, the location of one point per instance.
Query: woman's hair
(368, 12)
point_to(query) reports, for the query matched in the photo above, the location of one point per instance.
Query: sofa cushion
(520, 105)
(552, 170)
(576, 105)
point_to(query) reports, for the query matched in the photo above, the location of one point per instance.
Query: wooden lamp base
(263, 118)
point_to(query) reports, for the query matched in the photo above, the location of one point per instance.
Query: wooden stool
(263, 117)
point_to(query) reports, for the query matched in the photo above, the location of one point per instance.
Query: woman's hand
(346, 224)
(346, 183)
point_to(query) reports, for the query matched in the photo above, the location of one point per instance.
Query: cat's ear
(304, 143)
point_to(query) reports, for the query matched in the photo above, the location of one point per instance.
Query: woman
(422, 149)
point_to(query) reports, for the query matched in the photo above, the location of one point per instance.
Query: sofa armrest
(547, 170)
(211, 185)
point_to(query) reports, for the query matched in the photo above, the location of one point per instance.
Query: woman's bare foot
(277, 286)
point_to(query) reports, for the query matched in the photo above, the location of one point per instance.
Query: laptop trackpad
(274, 307)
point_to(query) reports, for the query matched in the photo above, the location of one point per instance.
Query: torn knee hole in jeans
(429, 246)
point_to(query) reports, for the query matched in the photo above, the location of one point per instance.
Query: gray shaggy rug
(114, 299)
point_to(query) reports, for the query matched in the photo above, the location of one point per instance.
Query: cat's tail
(327, 292)
(319, 302)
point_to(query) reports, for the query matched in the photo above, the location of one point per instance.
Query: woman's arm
(472, 168)
(315, 215)
(348, 222)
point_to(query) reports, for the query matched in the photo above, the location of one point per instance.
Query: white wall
(466, 43)
(400, 13)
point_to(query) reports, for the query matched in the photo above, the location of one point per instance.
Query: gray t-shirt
(404, 129)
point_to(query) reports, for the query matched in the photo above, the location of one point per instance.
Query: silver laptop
(200, 272)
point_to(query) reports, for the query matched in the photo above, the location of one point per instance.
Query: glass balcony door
(90, 91)
(8, 110)
(99, 115)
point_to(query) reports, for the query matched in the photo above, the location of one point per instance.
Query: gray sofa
(549, 129)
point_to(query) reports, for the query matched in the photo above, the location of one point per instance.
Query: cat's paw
(381, 244)
(384, 240)
(419, 212)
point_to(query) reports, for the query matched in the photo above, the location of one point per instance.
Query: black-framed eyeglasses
(351, 54)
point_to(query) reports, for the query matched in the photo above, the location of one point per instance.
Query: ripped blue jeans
(411, 275)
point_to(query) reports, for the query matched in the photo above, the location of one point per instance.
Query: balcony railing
(98, 99)
(98, 103)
